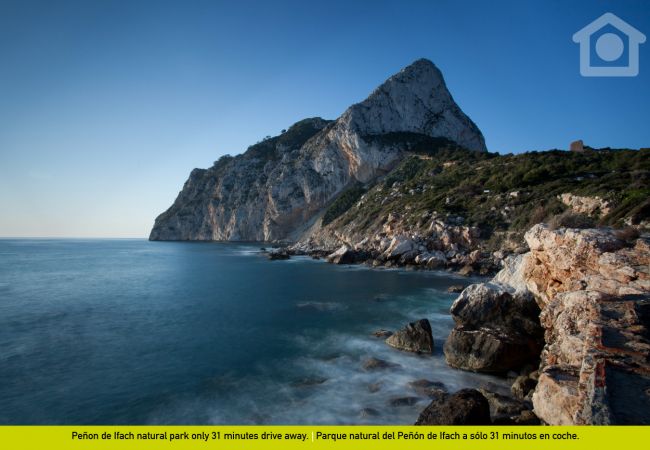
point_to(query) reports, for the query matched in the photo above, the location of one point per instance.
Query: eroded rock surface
(415, 337)
(465, 407)
(593, 290)
(497, 329)
(275, 189)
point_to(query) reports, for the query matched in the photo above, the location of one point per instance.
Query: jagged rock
(589, 206)
(511, 276)
(485, 350)
(496, 329)
(456, 288)
(594, 291)
(378, 364)
(466, 270)
(556, 398)
(401, 247)
(567, 260)
(522, 385)
(278, 254)
(415, 337)
(343, 255)
(382, 334)
(465, 407)
(276, 189)
(494, 305)
(503, 409)
(596, 355)
(432, 259)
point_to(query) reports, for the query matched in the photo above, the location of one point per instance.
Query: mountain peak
(418, 67)
(415, 99)
(283, 183)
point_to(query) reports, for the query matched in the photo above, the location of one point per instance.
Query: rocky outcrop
(593, 289)
(278, 186)
(497, 328)
(567, 260)
(465, 407)
(595, 293)
(432, 242)
(343, 255)
(415, 337)
(590, 206)
(505, 410)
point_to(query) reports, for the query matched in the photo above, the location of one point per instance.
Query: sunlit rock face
(275, 189)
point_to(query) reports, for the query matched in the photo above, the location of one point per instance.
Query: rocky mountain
(444, 207)
(277, 188)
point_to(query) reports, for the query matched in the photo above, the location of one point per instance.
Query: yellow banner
(322, 437)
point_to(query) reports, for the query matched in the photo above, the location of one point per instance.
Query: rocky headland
(404, 179)
(582, 297)
(280, 185)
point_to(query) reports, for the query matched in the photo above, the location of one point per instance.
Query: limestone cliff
(275, 189)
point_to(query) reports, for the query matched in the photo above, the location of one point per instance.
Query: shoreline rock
(465, 407)
(593, 290)
(497, 330)
(415, 337)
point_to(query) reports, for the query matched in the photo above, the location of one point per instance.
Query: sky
(107, 105)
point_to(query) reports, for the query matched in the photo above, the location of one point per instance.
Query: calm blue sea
(138, 332)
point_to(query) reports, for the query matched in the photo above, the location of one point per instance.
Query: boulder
(401, 247)
(278, 254)
(567, 259)
(494, 306)
(590, 206)
(455, 288)
(382, 333)
(496, 330)
(503, 409)
(415, 337)
(487, 350)
(465, 407)
(343, 255)
(522, 385)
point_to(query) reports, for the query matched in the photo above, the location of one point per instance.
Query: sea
(127, 331)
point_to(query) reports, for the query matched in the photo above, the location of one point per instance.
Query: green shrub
(343, 202)
(569, 219)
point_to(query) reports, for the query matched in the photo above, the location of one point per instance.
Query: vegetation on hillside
(269, 148)
(505, 192)
(343, 202)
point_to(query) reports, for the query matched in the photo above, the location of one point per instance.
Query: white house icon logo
(609, 47)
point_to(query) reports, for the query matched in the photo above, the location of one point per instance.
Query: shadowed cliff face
(278, 186)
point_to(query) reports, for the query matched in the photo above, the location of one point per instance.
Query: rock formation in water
(415, 337)
(275, 189)
(593, 289)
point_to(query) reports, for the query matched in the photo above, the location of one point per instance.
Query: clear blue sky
(106, 106)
